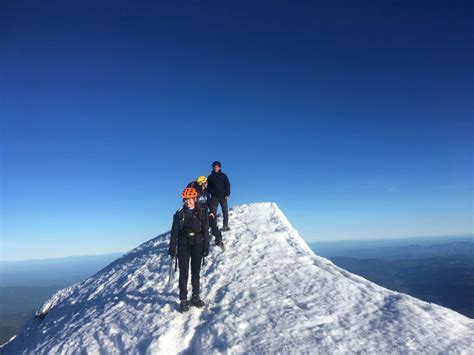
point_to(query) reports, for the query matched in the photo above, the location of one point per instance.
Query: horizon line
(307, 241)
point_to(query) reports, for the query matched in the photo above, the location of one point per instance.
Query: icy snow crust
(267, 293)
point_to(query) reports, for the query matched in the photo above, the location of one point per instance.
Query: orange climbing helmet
(189, 192)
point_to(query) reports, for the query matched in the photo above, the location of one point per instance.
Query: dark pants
(214, 229)
(225, 208)
(186, 252)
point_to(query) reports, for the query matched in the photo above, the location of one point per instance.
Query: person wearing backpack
(219, 190)
(189, 241)
(200, 184)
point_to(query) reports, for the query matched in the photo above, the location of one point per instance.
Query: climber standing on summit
(189, 240)
(219, 189)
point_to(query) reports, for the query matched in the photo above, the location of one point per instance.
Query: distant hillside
(448, 281)
(397, 248)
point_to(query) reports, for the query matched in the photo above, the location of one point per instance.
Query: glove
(205, 252)
(172, 252)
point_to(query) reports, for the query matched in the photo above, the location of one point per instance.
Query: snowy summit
(266, 293)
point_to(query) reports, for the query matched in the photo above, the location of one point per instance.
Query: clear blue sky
(355, 117)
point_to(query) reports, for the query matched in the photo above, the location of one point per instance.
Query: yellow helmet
(201, 180)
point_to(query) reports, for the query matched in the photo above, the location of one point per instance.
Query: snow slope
(267, 293)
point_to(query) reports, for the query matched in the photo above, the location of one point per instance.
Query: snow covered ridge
(267, 293)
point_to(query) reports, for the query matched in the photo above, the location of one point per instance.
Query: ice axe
(175, 259)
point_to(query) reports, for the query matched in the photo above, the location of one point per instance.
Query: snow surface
(267, 293)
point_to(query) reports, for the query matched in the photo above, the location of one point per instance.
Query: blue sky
(355, 119)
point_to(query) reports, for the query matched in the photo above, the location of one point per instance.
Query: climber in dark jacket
(200, 184)
(219, 190)
(189, 240)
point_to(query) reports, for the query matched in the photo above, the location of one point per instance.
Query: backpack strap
(181, 219)
(203, 214)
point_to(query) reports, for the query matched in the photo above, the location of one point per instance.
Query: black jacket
(218, 185)
(185, 224)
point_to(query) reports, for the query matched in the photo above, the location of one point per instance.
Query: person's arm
(208, 196)
(174, 236)
(227, 186)
(209, 185)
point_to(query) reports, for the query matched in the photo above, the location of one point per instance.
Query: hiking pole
(202, 269)
(171, 272)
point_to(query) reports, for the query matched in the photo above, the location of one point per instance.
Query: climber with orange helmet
(189, 241)
(200, 184)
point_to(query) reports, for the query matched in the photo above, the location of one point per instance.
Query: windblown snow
(267, 293)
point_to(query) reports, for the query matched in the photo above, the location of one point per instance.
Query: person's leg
(183, 257)
(225, 211)
(196, 260)
(215, 230)
(213, 206)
